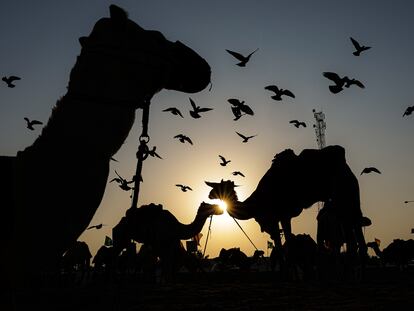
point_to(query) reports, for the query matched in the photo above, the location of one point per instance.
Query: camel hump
(285, 155)
(335, 151)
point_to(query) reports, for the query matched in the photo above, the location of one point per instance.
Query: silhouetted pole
(208, 234)
(142, 152)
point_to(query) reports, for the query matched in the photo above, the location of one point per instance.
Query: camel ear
(83, 41)
(118, 15)
(211, 184)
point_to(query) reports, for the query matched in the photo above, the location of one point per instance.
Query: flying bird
(279, 92)
(224, 162)
(182, 138)
(184, 188)
(123, 183)
(195, 113)
(96, 227)
(340, 83)
(245, 138)
(243, 59)
(152, 153)
(174, 111)
(237, 107)
(368, 170)
(235, 173)
(297, 123)
(408, 111)
(30, 123)
(9, 80)
(358, 47)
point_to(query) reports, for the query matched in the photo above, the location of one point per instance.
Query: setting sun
(223, 205)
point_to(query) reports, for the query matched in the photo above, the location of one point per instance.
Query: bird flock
(238, 108)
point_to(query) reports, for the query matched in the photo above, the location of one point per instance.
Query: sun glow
(221, 204)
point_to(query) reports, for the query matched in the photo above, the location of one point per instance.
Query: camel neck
(81, 128)
(190, 230)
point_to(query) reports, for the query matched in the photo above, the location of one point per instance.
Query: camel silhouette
(234, 258)
(296, 182)
(120, 68)
(399, 252)
(158, 228)
(76, 259)
(301, 256)
(332, 234)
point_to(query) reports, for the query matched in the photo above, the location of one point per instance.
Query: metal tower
(320, 126)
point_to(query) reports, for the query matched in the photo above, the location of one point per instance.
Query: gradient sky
(297, 41)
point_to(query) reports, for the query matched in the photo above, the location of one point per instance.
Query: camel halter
(142, 153)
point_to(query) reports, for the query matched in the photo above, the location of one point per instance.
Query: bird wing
(180, 185)
(189, 188)
(359, 83)
(116, 179)
(302, 123)
(222, 158)
(294, 121)
(251, 136)
(355, 43)
(204, 109)
(234, 101)
(34, 122)
(13, 78)
(157, 155)
(241, 135)
(248, 56)
(272, 88)
(27, 119)
(288, 93)
(374, 169)
(172, 109)
(237, 55)
(236, 111)
(179, 136)
(332, 76)
(188, 139)
(246, 109)
(193, 104)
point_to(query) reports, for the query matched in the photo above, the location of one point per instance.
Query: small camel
(159, 229)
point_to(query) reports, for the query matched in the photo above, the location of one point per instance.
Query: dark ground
(383, 289)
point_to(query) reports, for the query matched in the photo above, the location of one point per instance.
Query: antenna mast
(320, 127)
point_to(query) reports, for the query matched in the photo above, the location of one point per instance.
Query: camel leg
(287, 231)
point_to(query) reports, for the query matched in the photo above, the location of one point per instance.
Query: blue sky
(297, 41)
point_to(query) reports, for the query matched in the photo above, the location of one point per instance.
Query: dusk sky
(296, 40)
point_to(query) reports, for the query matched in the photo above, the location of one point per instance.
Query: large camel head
(225, 191)
(121, 60)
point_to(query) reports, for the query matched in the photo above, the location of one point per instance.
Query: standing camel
(296, 182)
(120, 68)
(159, 229)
